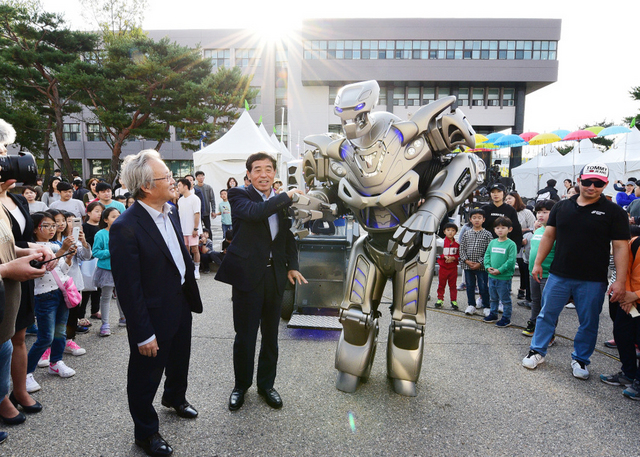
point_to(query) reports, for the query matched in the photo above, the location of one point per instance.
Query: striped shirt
(473, 245)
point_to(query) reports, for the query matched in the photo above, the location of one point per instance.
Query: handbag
(69, 291)
(88, 269)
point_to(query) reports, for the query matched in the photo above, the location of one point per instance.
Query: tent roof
(242, 140)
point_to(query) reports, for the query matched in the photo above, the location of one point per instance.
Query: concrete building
(489, 64)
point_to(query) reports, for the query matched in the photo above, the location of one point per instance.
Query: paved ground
(474, 398)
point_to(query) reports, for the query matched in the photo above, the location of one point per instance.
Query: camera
(22, 168)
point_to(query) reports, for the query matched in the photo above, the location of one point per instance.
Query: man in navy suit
(155, 282)
(258, 262)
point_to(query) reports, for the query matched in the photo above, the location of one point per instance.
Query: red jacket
(451, 249)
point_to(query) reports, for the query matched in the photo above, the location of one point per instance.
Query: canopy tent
(527, 176)
(227, 156)
(283, 159)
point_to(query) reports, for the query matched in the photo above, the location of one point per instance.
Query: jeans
(52, 314)
(500, 291)
(589, 297)
(536, 296)
(470, 277)
(6, 349)
(225, 229)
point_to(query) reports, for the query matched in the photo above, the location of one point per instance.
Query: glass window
(553, 45)
(493, 96)
(382, 100)
(463, 96)
(428, 95)
(281, 96)
(247, 57)
(180, 167)
(94, 132)
(477, 97)
(413, 96)
(71, 132)
(100, 168)
(528, 45)
(398, 96)
(508, 97)
(443, 92)
(502, 54)
(333, 93)
(519, 55)
(179, 134)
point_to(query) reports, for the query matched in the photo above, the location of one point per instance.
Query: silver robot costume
(399, 178)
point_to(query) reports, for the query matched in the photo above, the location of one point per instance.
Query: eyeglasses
(596, 182)
(168, 177)
(47, 226)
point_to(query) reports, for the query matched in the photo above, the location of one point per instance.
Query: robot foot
(347, 382)
(403, 387)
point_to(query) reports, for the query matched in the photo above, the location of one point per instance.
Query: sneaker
(61, 370)
(502, 323)
(579, 370)
(486, 312)
(32, 330)
(471, 310)
(462, 286)
(84, 322)
(618, 379)
(531, 327)
(532, 360)
(611, 344)
(570, 306)
(122, 322)
(479, 303)
(501, 308)
(454, 305)
(552, 342)
(491, 318)
(439, 303)
(196, 272)
(44, 360)
(81, 329)
(525, 303)
(105, 330)
(73, 348)
(521, 294)
(633, 391)
(32, 384)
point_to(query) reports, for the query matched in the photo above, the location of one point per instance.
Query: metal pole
(282, 125)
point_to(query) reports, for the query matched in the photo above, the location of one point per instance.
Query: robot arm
(314, 205)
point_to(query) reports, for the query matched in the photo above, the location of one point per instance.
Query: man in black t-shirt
(583, 228)
(498, 208)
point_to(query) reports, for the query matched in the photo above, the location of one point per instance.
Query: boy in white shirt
(189, 210)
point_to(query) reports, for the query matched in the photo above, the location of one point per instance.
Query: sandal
(96, 316)
(84, 322)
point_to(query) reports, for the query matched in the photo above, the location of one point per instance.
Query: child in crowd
(35, 206)
(103, 277)
(473, 246)
(224, 210)
(50, 308)
(500, 262)
(448, 262)
(543, 208)
(90, 228)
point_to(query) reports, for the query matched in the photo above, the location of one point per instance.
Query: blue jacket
(624, 200)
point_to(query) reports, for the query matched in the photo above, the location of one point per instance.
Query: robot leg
(406, 332)
(359, 318)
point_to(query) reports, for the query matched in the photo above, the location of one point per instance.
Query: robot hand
(420, 230)
(307, 208)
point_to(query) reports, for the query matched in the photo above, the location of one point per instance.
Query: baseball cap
(595, 170)
(498, 186)
(630, 183)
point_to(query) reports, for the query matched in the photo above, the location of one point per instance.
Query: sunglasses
(596, 182)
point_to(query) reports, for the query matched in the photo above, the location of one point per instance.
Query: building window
(509, 97)
(493, 96)
(428, 95)
(463, 96)
(333, 93)
(219, 57)
(335, 128)
(179, 134)
(398, 96)
(258, 98)
(180, 167)
(413, 96)
(443, 92)
(477, 98)
(281, 96)
(95, 132)
(247, 57)
(99, 167)
(71, 132)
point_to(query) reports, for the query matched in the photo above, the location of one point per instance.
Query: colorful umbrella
(526, 136)
(595, 129)
(579, 135)
(614, 130)
(480, 138)
(544, 138)
(561, 133)
(510, 141)
(492, 137)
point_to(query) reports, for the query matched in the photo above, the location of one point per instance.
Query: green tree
(135, 87)
(604, 143)
(115, 17)
(635, 94)
(28, 119)
(215, 105)
(35, 48)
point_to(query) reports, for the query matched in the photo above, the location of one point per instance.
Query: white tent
(226, 157)
(529, 177)
(284, 157)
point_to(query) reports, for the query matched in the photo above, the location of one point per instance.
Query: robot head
(353, 104)
(457, 131)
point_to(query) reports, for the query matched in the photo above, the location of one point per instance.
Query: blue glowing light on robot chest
(377, 218)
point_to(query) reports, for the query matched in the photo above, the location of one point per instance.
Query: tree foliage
(35, 49)
(603, 143)
(215, 105)
(635, 95)
(115, 18)
(135, 87)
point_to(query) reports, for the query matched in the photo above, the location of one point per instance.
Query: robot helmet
(353, 104)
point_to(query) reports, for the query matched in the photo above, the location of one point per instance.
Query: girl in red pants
(448, 262)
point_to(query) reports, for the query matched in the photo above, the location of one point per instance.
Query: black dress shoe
(236, 400)
(18, 419)
(271, 397)
(155, 445)
(27, 409)
(185, 410)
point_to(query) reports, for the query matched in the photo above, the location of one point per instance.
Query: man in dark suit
(154, 278)
(260, 259)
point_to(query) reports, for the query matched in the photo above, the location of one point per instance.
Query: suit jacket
(146, 277)
(245, 262)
